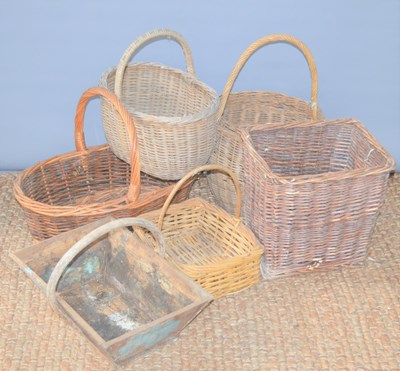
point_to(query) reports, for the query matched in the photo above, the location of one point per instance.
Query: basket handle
(144, 40)
(271, 39)
(84, 242)
(134, 184)
(194, 172)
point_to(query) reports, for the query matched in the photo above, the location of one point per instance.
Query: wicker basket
(206, 243)
(174, 113)
(79, 187)
(313, 192)
(248, 108)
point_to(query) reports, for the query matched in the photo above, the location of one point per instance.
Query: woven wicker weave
(78, 187)
(209, 245)
(313, 192)
(174, 113)
(248, 108)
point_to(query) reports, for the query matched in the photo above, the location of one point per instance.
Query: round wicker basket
(174, 112)
(248, 108)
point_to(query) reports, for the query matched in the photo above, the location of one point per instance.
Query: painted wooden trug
(123, 296)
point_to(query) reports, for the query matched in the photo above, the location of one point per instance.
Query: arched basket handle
(134, 183)
(194, 172)
(144, 40)
(271, 39)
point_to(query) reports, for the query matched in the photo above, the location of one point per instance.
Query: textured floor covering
(344, 319)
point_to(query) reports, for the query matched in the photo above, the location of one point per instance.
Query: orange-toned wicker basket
(174, 112)
(313, 192)
(208, 244)
(82, 186)
(248, 108)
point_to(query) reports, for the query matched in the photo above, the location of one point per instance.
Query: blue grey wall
(51, 51)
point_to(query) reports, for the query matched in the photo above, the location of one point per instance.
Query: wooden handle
(271, 39)
(144, 40)
(178, 185)
(83, 243)
(134, 184)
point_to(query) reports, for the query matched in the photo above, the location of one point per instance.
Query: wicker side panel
(174, 115)
(313, 227)
(76, 189)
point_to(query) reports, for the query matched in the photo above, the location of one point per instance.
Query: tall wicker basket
(248, 108)
(209, 245)
(174, 113)
(313, 192)
(79, 187)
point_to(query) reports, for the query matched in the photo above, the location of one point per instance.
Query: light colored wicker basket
(79, 187)
(248, 108)
(313, 192)
(208, 244)
(174, 113)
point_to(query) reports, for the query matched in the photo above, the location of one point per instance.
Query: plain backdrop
(51, 51)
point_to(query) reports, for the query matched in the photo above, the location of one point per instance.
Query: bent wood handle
(134, 184)
(194, 172)
(271, 39)
(83, 243)
(144, 40)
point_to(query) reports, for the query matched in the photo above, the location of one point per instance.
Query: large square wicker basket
(313, 192)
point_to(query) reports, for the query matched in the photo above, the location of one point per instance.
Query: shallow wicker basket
(174, 113)
(79, 187)
(248, 108)
(208, 244)
(313, 192)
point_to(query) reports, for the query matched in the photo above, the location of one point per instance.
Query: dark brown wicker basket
(312, 192)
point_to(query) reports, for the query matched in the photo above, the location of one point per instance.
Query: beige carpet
(344, 319)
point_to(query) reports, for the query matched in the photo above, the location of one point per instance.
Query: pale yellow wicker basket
(248, 108)
(209, 245)
(174, 113)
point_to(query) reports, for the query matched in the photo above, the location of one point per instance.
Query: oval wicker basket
(209, 245)
(79, 187)
(248, 108)
(174, 113)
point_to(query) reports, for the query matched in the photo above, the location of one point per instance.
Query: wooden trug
(122, 295)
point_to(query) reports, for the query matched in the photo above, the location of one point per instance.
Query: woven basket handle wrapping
(144, 40)
(271, 39)
(134, 185)
(194, 172)
(83, 243)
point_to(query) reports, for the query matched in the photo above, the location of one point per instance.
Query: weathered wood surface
(39, 260)
(123, 295)
(155, 334)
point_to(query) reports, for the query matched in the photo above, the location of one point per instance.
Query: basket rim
(173, 120)
(225, 122)
(74, 210)
(238, 94)
(317, 178)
